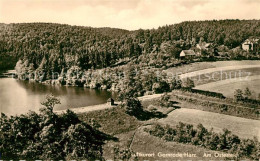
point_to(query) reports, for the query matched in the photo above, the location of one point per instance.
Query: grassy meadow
(244, 128)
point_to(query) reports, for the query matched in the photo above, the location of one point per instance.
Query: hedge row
(200, 136)
(205, 93)
(223, 108)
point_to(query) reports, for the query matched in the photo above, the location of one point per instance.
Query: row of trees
(247, 94)
(200, 136)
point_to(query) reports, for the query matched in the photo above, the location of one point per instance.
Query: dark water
(18, 97)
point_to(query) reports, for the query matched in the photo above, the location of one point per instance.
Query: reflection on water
(17, 97)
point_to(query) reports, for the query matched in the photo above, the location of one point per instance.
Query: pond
(18, 97)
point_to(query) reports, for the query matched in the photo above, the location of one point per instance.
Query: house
(187, 54)
(204, 46)
(111, 101)
(251, 44)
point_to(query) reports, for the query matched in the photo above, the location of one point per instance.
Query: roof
(187, 53)
(251, 40)
(203, 45)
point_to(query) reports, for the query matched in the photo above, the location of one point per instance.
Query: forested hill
(53, 47)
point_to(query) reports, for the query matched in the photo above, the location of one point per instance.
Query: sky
(126, 14)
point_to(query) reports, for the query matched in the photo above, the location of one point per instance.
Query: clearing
(227, 87)
(244, 128)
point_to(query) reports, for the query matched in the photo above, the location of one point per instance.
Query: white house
(187, 54)
(251, 45)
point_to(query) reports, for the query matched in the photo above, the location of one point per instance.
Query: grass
(129, 131)
(222, 86)
(241, 74)
(206, 65)
(145, 143)
(244, 128)
(113, 121)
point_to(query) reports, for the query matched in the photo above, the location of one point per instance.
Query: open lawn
(227, 87)
(222, 76)
(113, 121)
(244, 128)
(217, 70)
(208, 65)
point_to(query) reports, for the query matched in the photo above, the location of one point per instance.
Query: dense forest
(52, 47)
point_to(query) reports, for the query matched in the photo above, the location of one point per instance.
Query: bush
(133, 106)
(49, 136)
(161, 87)
(205, 93)
(226, 141)
(165, 100)
(238, 95)
(188, 83)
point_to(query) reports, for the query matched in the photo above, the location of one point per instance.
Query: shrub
(188, 83)
(238, 95)
(133, 106)
(247, 93)
(49, 136)
(165, 100)
(161, 87)
(226, 141)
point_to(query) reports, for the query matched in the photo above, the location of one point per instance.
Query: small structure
(188, 54)
(251, 44)
(204, 46)
(111, 101)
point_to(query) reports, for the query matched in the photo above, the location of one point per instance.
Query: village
(204, 49)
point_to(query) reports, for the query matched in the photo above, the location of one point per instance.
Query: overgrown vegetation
(200, 136)
(245, 96)
(112, 121)
(46, 135)
(219, 105)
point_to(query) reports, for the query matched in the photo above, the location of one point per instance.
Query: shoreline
(85, 109)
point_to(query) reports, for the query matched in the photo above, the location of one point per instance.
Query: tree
(238, 95)
(165, 100)
(48, 136)
(50, 101)
(247, 93)
(161, 86)
(188, 83)
(133, 106)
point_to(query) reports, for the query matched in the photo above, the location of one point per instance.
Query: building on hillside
(187, 54)
(204, 46)
(251, 44)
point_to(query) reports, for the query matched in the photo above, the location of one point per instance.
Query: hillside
(53, 47)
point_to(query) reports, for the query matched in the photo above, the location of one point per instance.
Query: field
(129, 131)
(145, 143)
(206, 65)
(244, 128)
(227, 87)
(130, 135)
(222, 76)
(113, 121)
